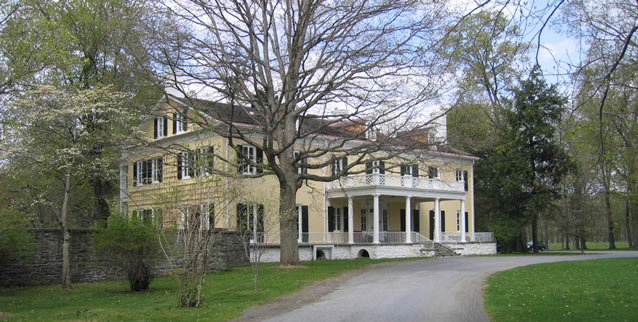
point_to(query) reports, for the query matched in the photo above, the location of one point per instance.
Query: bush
(131, 244)
(16, 241)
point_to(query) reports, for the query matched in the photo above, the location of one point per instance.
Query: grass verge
(226, 295)
(593, 246)
(593, 290)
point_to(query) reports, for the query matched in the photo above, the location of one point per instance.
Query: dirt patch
(291, 266)
(293, 301)
(4, 316)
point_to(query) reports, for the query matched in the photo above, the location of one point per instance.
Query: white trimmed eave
(395, 191)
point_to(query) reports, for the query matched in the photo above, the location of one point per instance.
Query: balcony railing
(479, 237)
(385, 237)
(341, 238)
(396, 181)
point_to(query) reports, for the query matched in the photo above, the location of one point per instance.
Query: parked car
(540, 245)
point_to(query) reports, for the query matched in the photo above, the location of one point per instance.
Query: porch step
(441, 250)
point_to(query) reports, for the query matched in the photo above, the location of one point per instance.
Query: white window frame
(155, 171)
(459, 175)
(385, 225)
(179, 122)
(159, 127)
(338, 165)
(338, 219)
(364, 220)
(252, 215)
(371, 132)
(140, 213)
(438, 172)
(300, 165)
(458, 221)
(202, 161)
(139, 177)
(250, 153)
(376, 167)
(204, 208)
(185, 166)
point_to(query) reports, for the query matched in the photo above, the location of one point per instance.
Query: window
(185, 163)
(160, 129)
(148, 216)
(384, 220)
(375, 167)
(336, 219)
(299, 163)
(339, 165)
(458, 221)
(204, 161)
(461, 175)
(249, 154)
(364, 220)
(147, 172)
(180, 122)
(433, 172)
(250, 219)
(410, 170)
(208, 215)
(371, 133)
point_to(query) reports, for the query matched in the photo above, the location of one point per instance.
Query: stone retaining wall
(46, 266)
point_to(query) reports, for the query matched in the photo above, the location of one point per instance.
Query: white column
(437, 220)
(300, 218)
(375, 220)
(350, 221)
(327, 237)
(408, 220)
(463, 220)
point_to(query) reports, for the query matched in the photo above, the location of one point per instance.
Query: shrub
(16, 241)
(131, 244)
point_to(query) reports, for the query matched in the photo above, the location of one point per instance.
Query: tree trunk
(628, 222)
(101, 191)
(535, 234)
(576, 242)
(66, 237)
(289, 252)
(610, 220)
(567, 241)
(583, 243)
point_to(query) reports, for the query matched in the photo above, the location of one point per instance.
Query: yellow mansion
(420, 203)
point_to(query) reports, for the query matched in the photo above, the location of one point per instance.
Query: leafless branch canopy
(303, 68)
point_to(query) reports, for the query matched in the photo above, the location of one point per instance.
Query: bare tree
(195, 209)
(255, 230)
(326, 79)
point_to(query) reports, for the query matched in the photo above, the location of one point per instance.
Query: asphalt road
(445, 289)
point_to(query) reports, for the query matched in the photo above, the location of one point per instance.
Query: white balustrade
(396, 181)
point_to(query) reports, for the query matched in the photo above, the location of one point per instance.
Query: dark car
(540, 245)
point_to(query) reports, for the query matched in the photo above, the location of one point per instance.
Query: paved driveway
(446, 289)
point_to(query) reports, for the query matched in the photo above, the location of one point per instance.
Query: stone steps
(441, 250)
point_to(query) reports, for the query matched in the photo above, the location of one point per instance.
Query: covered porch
(379, 208)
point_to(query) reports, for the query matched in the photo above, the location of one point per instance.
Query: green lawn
(592, 246)
(227, 294)
(593, 290)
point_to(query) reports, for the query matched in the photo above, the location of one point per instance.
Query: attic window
(180, 122)
(371, 133)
